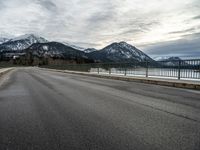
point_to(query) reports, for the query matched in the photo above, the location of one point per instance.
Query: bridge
(42, 109)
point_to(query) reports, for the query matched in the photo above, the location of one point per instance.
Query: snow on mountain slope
(22, 42)
(119, 52)
(74, 46)
(89, 50)
(55, 50)
(31, 37)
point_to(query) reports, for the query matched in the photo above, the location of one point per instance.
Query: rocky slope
(56, 50)
(119, 52)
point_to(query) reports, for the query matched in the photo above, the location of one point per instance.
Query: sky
(157, 27)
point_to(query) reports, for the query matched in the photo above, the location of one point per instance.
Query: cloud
(94, 23)
(48, 5)
(183, 31)
(189, 47)
(196, 17)
(1, 5)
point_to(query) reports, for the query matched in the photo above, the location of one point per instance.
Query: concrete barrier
(164, 82)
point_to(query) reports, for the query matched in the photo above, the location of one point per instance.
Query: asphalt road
(43, 110)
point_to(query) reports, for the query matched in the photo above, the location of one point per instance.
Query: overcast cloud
(158, 27)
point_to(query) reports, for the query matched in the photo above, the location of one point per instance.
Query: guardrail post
(134, 69)
(125, 71)
(179, 69)
(199, 71)
(109, 69)
(147, 69)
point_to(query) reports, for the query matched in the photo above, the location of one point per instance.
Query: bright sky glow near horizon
(158, 27)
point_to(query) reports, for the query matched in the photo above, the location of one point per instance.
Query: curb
(5, 72)
(171, 83)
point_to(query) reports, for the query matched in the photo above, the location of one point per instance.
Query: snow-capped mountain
(3, 40)
(167, 58)
(55, 50)
(172, 61)
(22, 42)
(89, 50)
(74, 46)
(119, 52)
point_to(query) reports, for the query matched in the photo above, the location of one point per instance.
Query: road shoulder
(5, 74)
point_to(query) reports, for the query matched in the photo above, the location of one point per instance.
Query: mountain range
(40, 47)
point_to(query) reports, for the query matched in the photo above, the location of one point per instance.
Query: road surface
(43, 110)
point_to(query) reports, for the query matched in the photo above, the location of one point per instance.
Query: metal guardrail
(177, 68)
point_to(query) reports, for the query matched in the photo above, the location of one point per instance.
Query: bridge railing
(179, 69)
